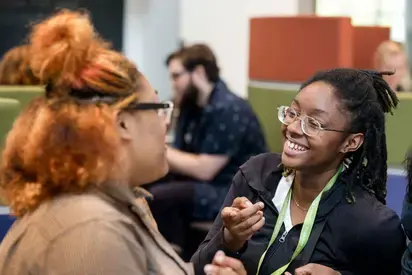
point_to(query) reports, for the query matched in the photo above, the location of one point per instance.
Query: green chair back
(24, 94)
(265, 103)
(399, 131)
(9, 110)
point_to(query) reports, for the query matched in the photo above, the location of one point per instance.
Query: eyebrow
(315, 111)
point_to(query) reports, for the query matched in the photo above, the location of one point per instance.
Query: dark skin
(325, 151)
(314, 166)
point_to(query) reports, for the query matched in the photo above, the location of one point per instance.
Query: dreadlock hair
(366, 97)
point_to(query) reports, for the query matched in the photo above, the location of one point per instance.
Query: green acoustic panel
(265, 103)
(9, 110)
(398, 130)
(24, 94)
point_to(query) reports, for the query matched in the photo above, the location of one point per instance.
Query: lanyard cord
(306, 228)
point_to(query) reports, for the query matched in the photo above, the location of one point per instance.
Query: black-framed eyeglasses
(164, 109)
(309, 125)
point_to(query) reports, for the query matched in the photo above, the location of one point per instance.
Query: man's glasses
(164, 109)
(309, 125)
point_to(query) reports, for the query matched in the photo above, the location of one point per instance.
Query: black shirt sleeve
(380, 249)
(214, 239)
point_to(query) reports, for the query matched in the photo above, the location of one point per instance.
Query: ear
(122, 126)
(199, 74)
(352, 143)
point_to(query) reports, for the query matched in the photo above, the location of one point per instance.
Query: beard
(189, 101)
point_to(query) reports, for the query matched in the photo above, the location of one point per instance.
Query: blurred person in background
(215, 133)
(15, 68)
(75, 158)
(391, 56)
(319, 207)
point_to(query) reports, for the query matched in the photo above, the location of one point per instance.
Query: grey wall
(151, 31)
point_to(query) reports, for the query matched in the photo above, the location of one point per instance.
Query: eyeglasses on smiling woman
(309, 125)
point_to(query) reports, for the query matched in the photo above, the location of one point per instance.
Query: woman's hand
(223, 265)
(314, 269)
(241, 221)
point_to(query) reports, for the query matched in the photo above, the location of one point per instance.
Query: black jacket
(361, 238)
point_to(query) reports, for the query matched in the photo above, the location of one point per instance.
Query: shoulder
(97, 246)
(77, 211)
(66, 222)
(377, 226)
(269, 162)
(259, 169)
(227, 102)
(237, 105)
(370, 236)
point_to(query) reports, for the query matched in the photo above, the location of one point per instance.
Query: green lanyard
(306, 228)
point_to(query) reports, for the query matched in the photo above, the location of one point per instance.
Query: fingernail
(220, 257)
(208, 269)
(261, 205)
(248, 203)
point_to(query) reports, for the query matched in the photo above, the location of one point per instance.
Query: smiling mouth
(295, 146)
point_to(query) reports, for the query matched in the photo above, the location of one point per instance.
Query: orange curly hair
(15, 69)
(59, 144)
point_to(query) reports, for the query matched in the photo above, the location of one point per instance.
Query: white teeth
(295, 146)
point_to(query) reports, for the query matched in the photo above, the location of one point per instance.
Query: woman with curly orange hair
(74, 161)
(15, 69)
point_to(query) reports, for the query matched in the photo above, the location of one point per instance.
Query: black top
(407, 225)
(361, 238)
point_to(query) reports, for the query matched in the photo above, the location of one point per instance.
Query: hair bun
(62, 46)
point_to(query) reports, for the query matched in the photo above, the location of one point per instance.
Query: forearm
(184, 163)
(202, 167)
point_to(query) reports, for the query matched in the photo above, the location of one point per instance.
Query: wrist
(232, 243)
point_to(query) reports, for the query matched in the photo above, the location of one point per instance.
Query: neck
(204, 93)
(307, 186)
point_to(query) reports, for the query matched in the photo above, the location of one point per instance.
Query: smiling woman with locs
(319, 207)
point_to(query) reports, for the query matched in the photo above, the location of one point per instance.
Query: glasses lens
(286, 115)
(311, 126)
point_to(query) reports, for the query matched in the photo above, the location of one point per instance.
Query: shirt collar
(124, 193)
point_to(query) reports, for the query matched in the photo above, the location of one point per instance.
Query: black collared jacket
(365, 237)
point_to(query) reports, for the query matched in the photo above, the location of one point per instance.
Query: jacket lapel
(141, 208)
